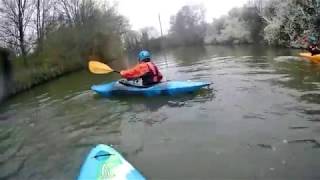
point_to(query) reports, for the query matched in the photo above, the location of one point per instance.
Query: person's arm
(135, 72)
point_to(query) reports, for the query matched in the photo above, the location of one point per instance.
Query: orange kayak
(308, 56)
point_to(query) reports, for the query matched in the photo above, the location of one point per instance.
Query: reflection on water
(259, 120)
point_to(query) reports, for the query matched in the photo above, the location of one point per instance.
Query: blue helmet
(312, 39)
(143, 55)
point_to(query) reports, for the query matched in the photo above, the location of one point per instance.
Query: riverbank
(38, 71)
(24, 79)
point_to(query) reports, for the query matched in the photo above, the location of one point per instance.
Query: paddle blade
(97, 67)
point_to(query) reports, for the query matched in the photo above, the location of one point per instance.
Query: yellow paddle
(97, 67)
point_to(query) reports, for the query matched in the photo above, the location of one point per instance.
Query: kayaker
(313, 46)
(146, 70)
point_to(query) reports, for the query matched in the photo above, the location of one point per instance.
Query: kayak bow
(104, 162)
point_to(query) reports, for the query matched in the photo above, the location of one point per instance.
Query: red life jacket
(154, 76)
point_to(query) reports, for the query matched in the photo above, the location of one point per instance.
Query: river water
(259, 120)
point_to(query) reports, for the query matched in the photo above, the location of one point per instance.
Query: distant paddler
(313, 44)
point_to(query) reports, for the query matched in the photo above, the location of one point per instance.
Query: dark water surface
(261, 120)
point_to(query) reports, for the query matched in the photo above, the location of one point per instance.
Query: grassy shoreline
(22, 82)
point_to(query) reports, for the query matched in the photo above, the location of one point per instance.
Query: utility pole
(160, 26)
(162, 41)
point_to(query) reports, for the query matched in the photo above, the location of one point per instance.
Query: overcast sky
(142, 13)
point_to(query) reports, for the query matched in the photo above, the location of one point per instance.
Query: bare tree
(70, 10)
(15, 19)
(43, 18)
(132, 40)
(77, 12)
(149, 37)
(188, 25)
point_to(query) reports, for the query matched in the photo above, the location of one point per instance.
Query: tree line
(270, 22)
(38, 27)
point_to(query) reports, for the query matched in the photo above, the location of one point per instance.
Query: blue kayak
(104, 162)
(165, 88)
